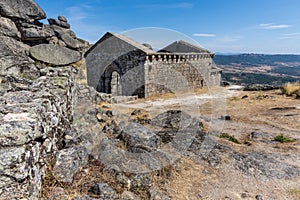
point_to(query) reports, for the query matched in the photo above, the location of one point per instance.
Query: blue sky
(237, 26)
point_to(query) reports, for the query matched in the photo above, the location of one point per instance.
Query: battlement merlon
(177, 57)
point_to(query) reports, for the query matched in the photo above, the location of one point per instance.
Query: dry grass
(81, 76)
(49, 182)
(291, 89)
(259, 111)
(295, 193)
(87, 177)
(78, 64)
(175, 94)
(183, 181)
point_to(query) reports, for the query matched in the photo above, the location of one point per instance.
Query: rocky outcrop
(32, 32)
(35, 113)
(71, 42)
(53, 54)
(174, 119)
(36, 99)
(137, 137)
(62, 137)
(12, 53)
(265, 165)
(104, 191)
(61, 21)
(8, 28)
(59, 31)
(19, 20)
(68, 162)
(27, 10)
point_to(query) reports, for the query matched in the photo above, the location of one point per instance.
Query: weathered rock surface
(174, 119)
(33, 119)
(38, 119)
(19, 124)
(33, 32)
(18, 170)
(178, 129)
(62, 18)
(156, 194)
(129, 196)
(71, 42)
(23, 9)
(137, 136)
(68, 162)
(59, 31)
(12, 53)
(56, 55)
(8, 28)
(59, 22)
(140, 181)
(84, 197)
(36, 102)
(104, 191)
(265, 166)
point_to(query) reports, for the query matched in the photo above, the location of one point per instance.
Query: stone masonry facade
(143, 72)
(177, 72)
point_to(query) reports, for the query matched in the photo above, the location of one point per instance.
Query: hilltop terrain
(244, 160)
(249, 69)
(62, 140)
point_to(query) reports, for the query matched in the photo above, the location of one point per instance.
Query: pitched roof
(183, 47)
(123, 38)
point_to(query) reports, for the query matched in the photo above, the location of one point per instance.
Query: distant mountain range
(259, 68)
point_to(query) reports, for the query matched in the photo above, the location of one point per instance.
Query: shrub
(295, 193)
(291, 89)
(230, 138)
(283, 139)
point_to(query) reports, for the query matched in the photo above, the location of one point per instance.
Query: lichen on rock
(55, 55)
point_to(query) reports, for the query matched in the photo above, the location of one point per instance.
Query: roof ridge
(193, 45)
(176, 44)
(134, 43)
(123, 38)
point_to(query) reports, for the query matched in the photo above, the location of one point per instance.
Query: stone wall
(132, 73)
(177, 72)
(115, 55)
(37, 94)
(144, 72)
(111, 55)
(215, 75)
(34, 116)
(130, 69)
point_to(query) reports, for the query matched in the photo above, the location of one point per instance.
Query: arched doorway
(115, 84)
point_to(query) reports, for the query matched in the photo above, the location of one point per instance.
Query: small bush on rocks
(230, 138)
(291, 89)
(283, 139)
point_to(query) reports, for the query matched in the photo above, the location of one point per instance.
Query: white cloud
(78, 18)
(290, 36)
(204, 35)
(273, 26)
(77, 13)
